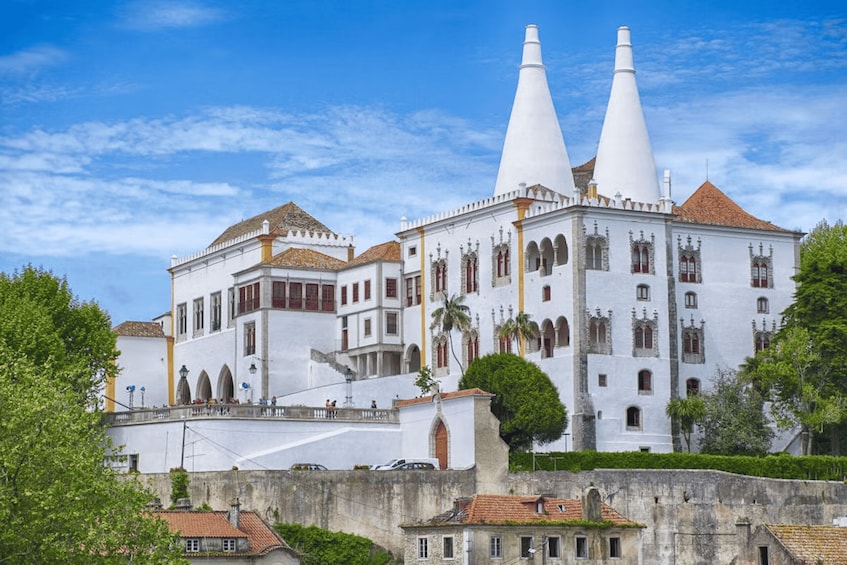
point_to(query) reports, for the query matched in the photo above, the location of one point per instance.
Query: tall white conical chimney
(624, 156)
(534, 149)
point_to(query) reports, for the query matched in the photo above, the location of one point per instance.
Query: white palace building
(635, 300)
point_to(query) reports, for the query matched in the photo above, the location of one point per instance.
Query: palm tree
(452, 314)
(688, 411)
(518, 328)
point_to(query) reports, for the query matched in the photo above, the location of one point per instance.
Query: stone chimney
(351, 253)
(183, 504)
(234, 514)
(591, 505)
(534, 149)
(624, 155)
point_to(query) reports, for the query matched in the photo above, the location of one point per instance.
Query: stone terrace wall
(690, 515)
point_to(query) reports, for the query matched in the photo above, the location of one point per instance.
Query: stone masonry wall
(690, 515)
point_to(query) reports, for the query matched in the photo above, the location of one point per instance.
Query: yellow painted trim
(171, 392)
(267, 247)
(424, 357)
(110, 394)
(522, 205)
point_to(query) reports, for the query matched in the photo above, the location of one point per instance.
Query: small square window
(642, 292)
(192, 545)
(495, 547)
(447, 552)
(413, 250)
(601, 380)
(553, 547)
(229, 545)
(527, 550)
(581, 547)
(614, 548)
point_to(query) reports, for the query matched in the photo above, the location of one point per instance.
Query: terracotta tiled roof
(708, 205)
(504, 509)
(444, 396)
(285, 218)
(298, 258)
(583, 173)
(812, 544)
(388, 251)
(261, 538)
(139, 329)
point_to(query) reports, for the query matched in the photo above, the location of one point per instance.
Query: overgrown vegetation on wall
(322, 547)
(815, 467)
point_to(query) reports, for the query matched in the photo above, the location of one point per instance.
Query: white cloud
(157, 15)
(32, 60)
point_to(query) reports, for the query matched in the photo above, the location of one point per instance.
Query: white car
(397, 462)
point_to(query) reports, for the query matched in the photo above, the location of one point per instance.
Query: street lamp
(252, 369)
(131, 390)
(348, 378)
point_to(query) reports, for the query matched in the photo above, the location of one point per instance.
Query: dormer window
(539, 507)
(229, 545)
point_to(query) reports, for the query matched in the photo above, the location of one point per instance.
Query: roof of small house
(812, 544)
(300, 258)
(708, 205)
(139, 329)
(443, 396)
(282, 219)
(388, 251)
(513, 510)
(261, 538)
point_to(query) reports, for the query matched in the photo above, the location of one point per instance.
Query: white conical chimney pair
(534, 149)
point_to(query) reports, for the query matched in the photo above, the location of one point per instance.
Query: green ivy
(179, 484)
(782, 466)
(322, 547)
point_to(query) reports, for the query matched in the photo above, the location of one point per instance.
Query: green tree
(686, 411)
(526, 402)
(59, 502)
(518, 329)
(41, 319)
(791, 374)
(426, 381)
(322, 547)
(734, 422)
(452, 314)
(820, 308)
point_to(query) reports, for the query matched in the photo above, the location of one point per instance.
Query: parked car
(397, 462)
(415, 466)
(308, 467)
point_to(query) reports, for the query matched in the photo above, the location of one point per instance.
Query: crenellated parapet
(176, 262)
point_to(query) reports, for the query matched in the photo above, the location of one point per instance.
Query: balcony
(252, 411)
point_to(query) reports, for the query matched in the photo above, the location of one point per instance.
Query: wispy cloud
(158, 15)
(32, 60)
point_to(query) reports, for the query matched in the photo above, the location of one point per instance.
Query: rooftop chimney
(234, 514)
(591, 506)
(534, 149)
(624, 156)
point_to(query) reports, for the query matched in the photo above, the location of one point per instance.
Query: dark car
(415, 466)
(307, 467)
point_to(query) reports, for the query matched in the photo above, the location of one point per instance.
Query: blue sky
(133, 131)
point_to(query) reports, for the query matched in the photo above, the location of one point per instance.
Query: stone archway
(204, 387)
(226, 388)
(413, 359)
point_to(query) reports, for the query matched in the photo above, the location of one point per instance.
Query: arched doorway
(204, 387)
(226, 390)
(441, 438)
(413, 359)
